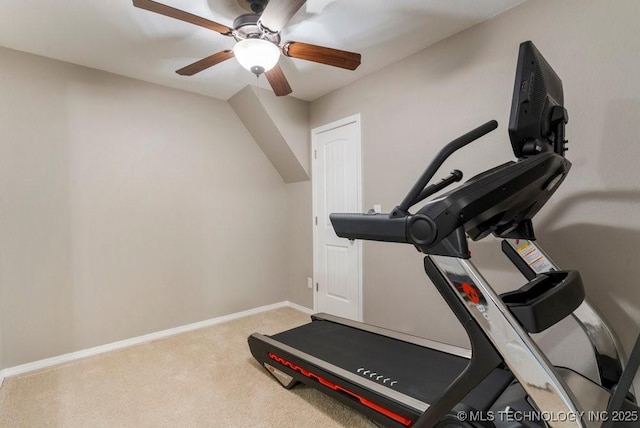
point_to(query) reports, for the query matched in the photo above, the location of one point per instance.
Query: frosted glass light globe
(256, 55)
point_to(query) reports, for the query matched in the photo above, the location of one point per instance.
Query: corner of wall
(2, 367)
(280, 127)
(292, 118)
(299, 243)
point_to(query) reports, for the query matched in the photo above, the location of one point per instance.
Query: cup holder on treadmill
(546, 299)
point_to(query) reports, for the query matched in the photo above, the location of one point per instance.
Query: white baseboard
(300, 308)
(65, 358)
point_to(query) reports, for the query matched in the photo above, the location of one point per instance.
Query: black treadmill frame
(490, 340)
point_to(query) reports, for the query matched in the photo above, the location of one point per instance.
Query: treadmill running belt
(416, 371)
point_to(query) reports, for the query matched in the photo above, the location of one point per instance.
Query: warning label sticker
(533, 257)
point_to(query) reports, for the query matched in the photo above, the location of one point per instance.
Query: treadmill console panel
(501, 201)
(498, 200)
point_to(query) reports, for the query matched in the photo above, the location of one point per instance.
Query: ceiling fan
(258, 45)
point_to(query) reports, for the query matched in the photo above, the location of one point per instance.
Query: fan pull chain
(258, 85)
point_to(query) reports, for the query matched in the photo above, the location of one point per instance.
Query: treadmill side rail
(420, 341)
(521, 354)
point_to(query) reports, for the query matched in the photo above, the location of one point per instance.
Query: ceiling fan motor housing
(257, 34)
(246, 27)
(255, 6)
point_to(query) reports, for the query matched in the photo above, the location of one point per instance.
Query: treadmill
(506, 380)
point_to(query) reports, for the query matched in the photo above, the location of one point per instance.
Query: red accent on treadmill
(472, 292)
(388, 413)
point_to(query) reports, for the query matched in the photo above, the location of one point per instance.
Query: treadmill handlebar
(413, 195)
(455, 176)
(401, 226)
(419, 230)
(372, 227)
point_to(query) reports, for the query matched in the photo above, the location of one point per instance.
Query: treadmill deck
(419, 372)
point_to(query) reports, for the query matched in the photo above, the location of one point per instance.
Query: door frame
(355, 118)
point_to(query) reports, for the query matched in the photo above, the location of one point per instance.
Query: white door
(337, 189)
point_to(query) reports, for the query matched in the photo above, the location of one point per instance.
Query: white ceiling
(114, 36)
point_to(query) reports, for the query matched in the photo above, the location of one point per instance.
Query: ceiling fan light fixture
(256, 55)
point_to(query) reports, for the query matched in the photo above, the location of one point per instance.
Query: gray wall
(278, 126)
(291, 117)
(299, 242)
(121, 201)
(410, 109)
(2, 366)
(126, 208)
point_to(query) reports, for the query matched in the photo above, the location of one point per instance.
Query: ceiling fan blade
(321, 54)
(205, 63)
(278, 81)
(278, 13)
(172, 12)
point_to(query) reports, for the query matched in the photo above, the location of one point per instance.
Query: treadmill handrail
(436, 163)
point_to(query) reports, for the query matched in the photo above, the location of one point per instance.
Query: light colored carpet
(204, 378)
